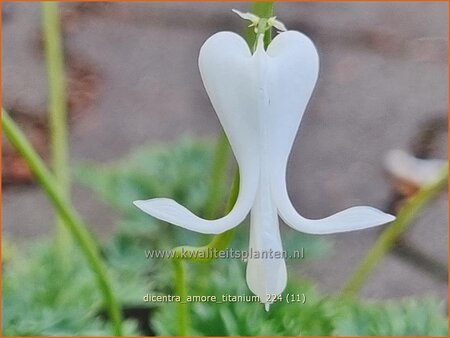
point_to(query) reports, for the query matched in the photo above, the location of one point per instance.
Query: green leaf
(408, 317)
(318, 316)
(40, 299)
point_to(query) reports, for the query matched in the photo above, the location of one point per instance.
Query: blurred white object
(406, 167)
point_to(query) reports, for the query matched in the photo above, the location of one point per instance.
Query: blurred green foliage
(179, 172)
(41, 298)
(319, 315)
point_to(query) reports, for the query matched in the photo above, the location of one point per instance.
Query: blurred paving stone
(24, 83)
(28, 214)
(383, 73)
(25, 213)
(392, 278)
(152, 89)
(430, 234)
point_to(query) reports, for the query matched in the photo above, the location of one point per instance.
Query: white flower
(260, 100)
(408, 168)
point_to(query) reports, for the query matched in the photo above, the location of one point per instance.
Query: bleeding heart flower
(260, 99)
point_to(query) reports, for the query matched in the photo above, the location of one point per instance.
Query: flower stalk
(181, 290)
(218, 176)
(219, 242)
(69, 216)
(263, 10)
(57, 108)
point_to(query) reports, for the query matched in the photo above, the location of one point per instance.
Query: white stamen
(248, 16)
(277, 24)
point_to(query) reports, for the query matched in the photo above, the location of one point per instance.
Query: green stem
(387, 239)
(57, 107)
(218, 175)
(204, 254)
(181, 290)
(263, 10)
(70, 218)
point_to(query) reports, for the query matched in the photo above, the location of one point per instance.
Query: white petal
(172, 212)
(266, 275)
(355, 218)
(226, 70)
(415, 170)
(293, 73)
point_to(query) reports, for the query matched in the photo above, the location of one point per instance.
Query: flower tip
(277, 24)
(237, 12)
(385, 217)
(247, 16)
(267, 307)
(391, 218)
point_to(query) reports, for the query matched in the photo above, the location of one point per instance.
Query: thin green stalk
(218, 176)
(181, 290)
(204, 254)
(263, 10)
(57, 107)
(68, 214)
(387, 239)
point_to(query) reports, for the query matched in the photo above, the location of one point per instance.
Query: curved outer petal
(225, 66)
(294, 67)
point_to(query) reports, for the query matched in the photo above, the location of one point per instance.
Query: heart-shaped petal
(225, 64)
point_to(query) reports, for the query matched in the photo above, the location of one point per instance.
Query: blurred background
(133, 80)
